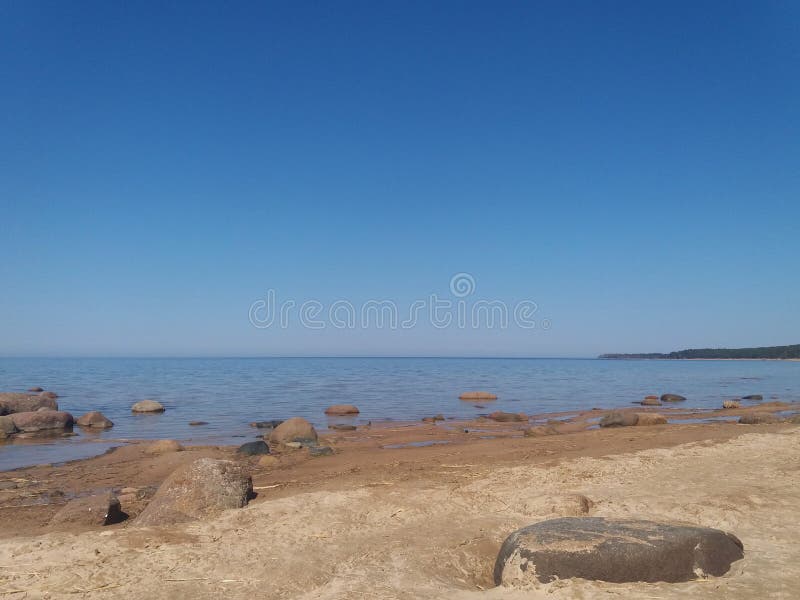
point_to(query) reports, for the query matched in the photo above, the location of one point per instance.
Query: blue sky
(633, 168)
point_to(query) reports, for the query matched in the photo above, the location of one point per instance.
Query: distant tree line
(776, 352)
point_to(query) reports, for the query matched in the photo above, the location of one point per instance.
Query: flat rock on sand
(30, 422)
(650, 418)
(199, 490)
(163, 447)
(148, 406)
(616, 551)
(758, 418)
(477, 396)
(619, 419)
(97, 510)
(342, 409)
(505, 417)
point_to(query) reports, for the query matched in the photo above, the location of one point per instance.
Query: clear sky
(631, 167)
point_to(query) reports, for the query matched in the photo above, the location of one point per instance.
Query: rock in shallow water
(672, 398)
(95, 419)
(616, 551)
(651, 401)
(296, 429)
(29, 422)
(619, 419)
(148, 406)
(342, 409)
(201, 489)
(477, 396)
(11, 402)
(505, 417)
(731, 404)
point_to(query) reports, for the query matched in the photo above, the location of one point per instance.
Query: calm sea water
(229, 393)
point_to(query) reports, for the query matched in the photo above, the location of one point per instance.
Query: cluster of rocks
(629, 419)
(659, 400)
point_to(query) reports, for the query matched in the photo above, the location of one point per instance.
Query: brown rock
(268, 462)
(617, 551)
(163, 447)
(16, 403)
(148, 406)
(650, 418)
(102, 509)
(672, 398)
(95, 419)
(758, 418)
(35, 389)
(199, 490)
(731, 404)
(30, 422)
(7, 427)
(296, 429)
(48, 395)
(342, 427)
(619, 419)
(342, 409)
(504, 417)
(473, 396)
(540, 430)
(651, 401)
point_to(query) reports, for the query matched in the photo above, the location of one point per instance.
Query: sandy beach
(411, 520)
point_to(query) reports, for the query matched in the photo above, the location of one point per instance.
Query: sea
(229, 393)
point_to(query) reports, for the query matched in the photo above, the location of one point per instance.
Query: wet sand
(419, 519)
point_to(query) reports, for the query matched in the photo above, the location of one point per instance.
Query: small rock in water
(295, 429)
(35, 389)
(504, 417)
(253, 448)
(342, 427)
(148, 406)
(197, 423)
(614, 550)
(619, 419)
(95, 419)
(266, 424)
(342, 409)
(758, 419)
(651, 401)
(477, 396)
(755, 397)
(731, 404)
(163, 447)
(672, 398)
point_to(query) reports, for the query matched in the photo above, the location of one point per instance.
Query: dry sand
(427, 522)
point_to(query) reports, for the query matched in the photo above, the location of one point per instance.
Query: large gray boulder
(30, 422)
(198, 490)
(616, 551)
(97, 510)
(11, 402)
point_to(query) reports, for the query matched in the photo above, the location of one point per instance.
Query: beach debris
(540, 430)
(201, 489)
(342, 427)
(650, 418)
(342, 409)
(753, 397)
(471, 396)
(95, 419)
(758, 418)
(253, 448)
(614, 550)
(163, 447)
(505, 417)
(29, 422)
(672, 398)
(296, 429)
(197, 423)
(619, 419)
(148, 406)
(731, 404)
(12, 402)
(272, 424)
(96, 510)
(7, 427)
(651, 401)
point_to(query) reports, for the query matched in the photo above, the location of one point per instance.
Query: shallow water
(229, 393)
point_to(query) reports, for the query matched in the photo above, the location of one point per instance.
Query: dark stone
(758, 419)
(253, 448)
(672, 398)
(103, 509)
(619, 419)
(36, 389)
(266, 424)
(342, 427)
(758, 397)
(616, 551)
(197, 423)
(320, 451)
